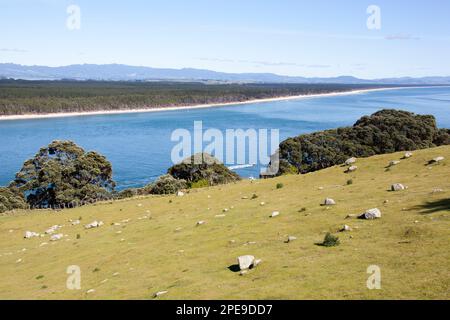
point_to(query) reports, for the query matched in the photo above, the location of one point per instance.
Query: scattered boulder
(52, 229)
(180, 194)
(408, 155)
(350, 161)
(398, 187)
(246, 262)
(94, 224)
(31, 234)
(437, 160)
(437, 190)
(275, 214)
(352, 169)
(393, 163)
(346, 228)
(74, 223)
(329, 202)
(56, 237)
(262, 204)
(291, 238)
(371, 214)
(199, 223)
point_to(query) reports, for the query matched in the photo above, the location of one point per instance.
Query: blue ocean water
(139, 145)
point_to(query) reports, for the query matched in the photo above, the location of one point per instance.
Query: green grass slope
(168, 252)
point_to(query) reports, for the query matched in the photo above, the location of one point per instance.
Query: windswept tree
(11, 199)
(63, 173)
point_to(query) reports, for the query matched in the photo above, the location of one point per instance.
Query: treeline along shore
(21, 97)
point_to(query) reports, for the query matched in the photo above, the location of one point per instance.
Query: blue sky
(290, 37)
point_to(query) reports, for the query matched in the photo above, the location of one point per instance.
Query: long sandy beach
(171, 108)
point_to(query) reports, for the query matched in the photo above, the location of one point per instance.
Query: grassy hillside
(410, 243)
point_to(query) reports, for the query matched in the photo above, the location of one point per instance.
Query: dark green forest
(36, 97)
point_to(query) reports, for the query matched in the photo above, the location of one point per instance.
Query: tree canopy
(63, 173)
(385, 131)
(203, 167)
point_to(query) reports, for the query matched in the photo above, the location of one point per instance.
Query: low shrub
(330, 240)
(167, 184)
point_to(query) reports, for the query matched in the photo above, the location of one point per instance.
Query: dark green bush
(279, 185)
(167, 185)
(385, 131)
(330, 240)
(203, 167)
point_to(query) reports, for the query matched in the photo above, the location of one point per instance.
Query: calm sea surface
(139, 146)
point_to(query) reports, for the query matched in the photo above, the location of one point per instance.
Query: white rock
(437, 190)
(397, 187)
(74, 223)
(262, 204)
(245, 262)
(394, 163)
(90, 291)
(159, 293)
(200, 223)
(371, 214)
(52, 229)
(225, 210)
(352, 169)
(438, 159)
(291, 238)
(329, 202)
(220, 216)
(274, 214)
(30, 234)
(56, 237)
(256, 262)
(350, 161)
(346, 228)
(408, 155)
(94, 224)
(180, 194)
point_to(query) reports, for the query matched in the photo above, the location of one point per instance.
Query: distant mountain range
(119, 72)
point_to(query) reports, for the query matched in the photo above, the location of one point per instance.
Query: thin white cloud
(13, 50)
(400, 36)
(267, 63)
